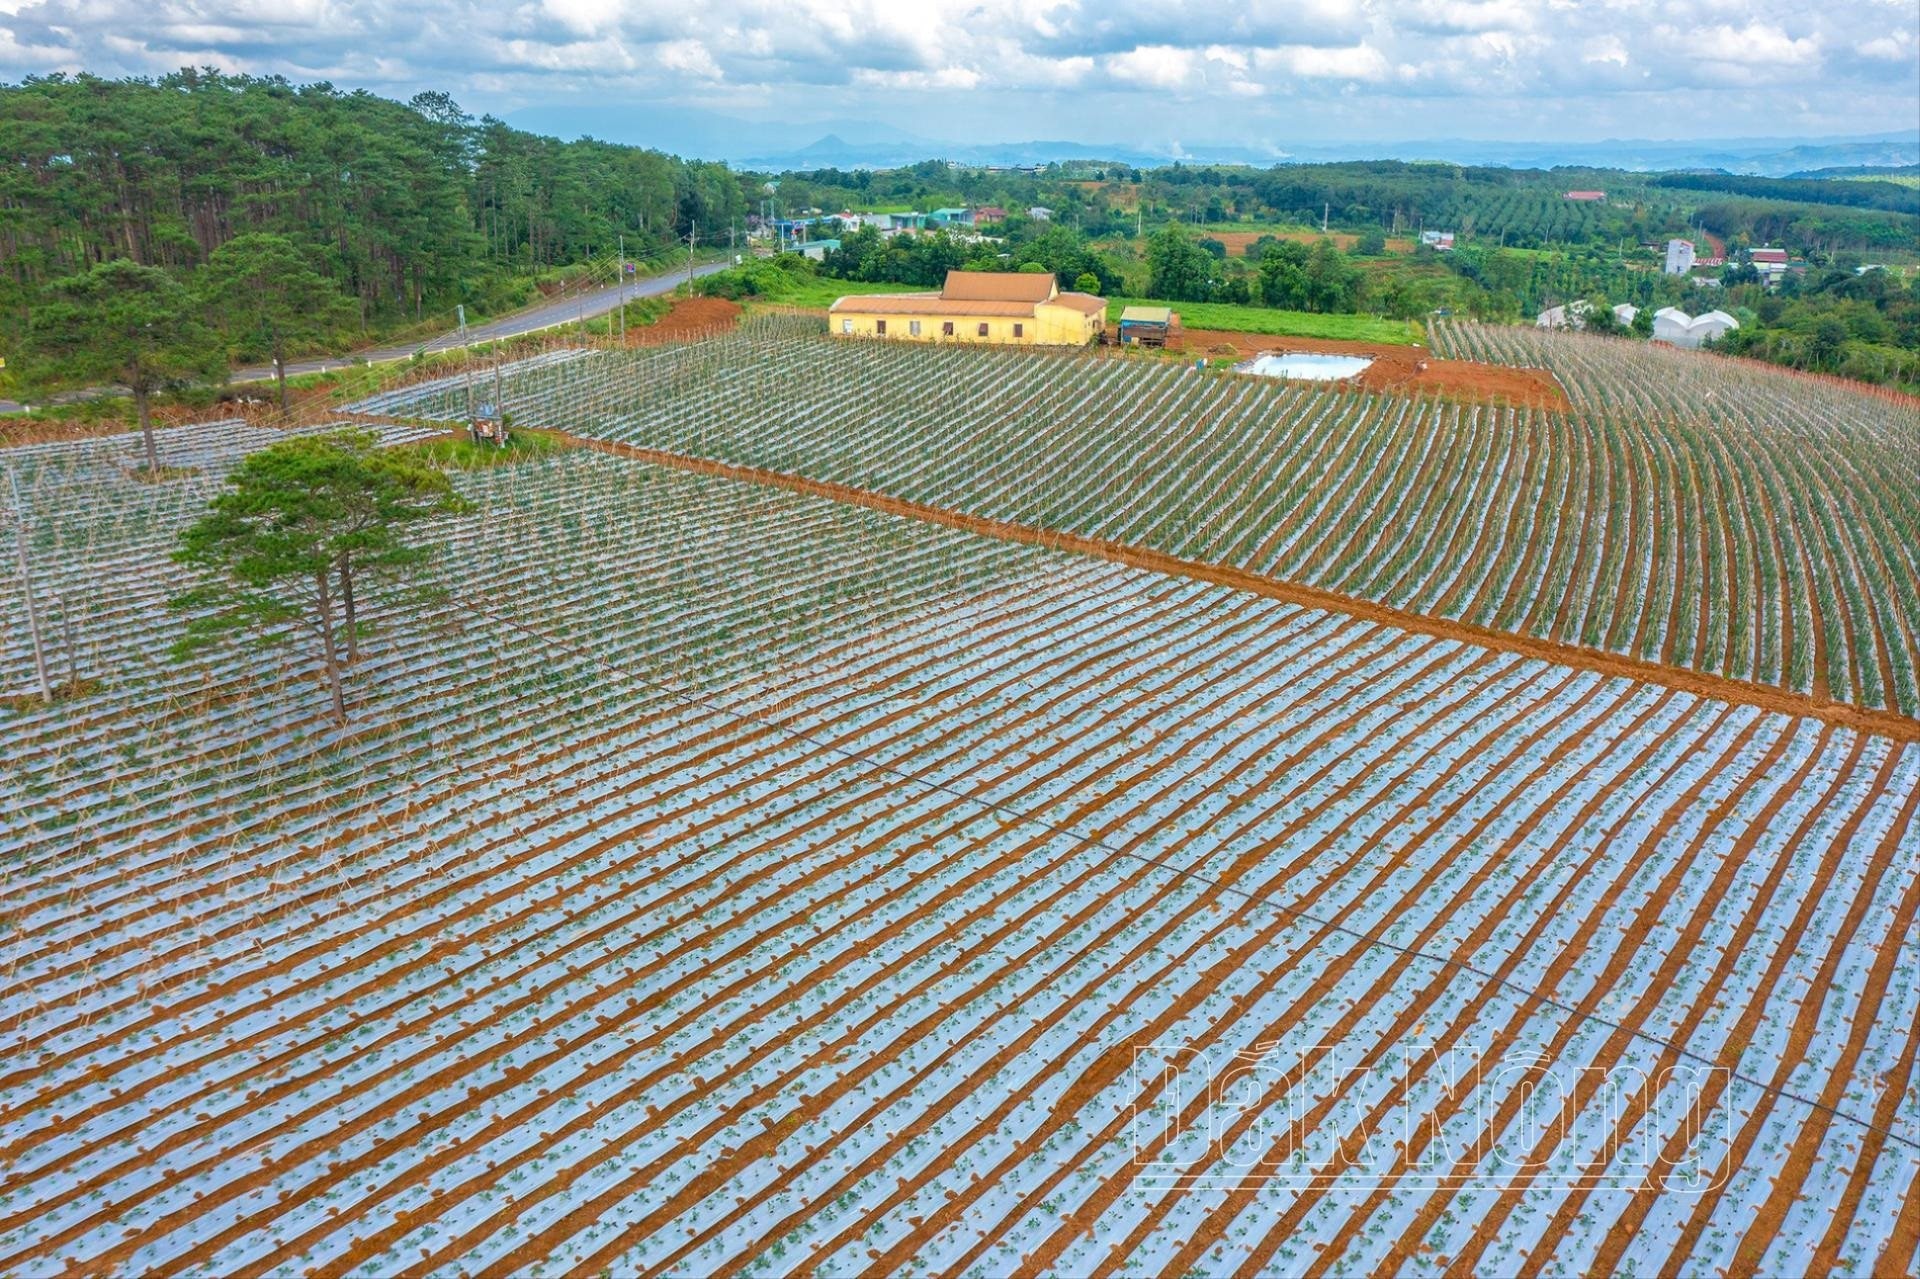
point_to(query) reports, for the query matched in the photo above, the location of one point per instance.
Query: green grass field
(1265, 320)
(819, 293)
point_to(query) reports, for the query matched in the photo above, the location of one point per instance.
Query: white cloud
(1756, 44)
(688, 57)
(583, 17)
(1464, 64)
(1602, 50)
(1360, 62)
(1895, 47)
(1466, 16)
(1156, 67)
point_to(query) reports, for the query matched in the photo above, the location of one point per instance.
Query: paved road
(542, 315)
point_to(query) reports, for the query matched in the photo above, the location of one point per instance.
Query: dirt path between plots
(1404, 369)
(1616, 665)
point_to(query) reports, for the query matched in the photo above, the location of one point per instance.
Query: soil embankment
(689, 319)
(1402, 369)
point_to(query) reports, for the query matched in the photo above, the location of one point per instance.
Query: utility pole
(1325, 208)
(623, 289)
(693, 234)
(73, 650)
(466, 360)
(26, 587)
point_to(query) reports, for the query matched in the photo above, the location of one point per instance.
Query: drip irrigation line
(1260, 899)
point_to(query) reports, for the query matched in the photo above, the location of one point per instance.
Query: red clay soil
(1765, 697)
(690, 319)
(1238, 242)
(1405, 369)
(31, 430)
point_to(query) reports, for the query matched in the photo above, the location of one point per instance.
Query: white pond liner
(1306, 366)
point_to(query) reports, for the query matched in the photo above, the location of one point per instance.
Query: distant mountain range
(863, 144)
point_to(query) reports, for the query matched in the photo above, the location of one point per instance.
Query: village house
(1771, 264)
(1018, 308)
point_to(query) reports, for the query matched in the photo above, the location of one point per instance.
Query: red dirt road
(1614, 665)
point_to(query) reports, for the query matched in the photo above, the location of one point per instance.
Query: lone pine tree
(304, 528)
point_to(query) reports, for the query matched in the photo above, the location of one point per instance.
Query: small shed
(1146, 325)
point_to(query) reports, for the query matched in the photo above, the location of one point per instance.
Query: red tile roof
(998, 286)
(1083, 302)
(928, 304)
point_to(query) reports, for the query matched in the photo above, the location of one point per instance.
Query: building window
(846, 326)
(983, 330)
(1019, 330)
(913, 328)
(946, 329)
(880, 327)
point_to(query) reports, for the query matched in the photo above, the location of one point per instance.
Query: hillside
(937, 809)
(409, 209)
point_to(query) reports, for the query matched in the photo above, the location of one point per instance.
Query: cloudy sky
(1095, 70)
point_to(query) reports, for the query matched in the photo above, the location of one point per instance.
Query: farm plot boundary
(1759, 536)
(1701, 684)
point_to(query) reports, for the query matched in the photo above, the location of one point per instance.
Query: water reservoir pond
(1311, 366)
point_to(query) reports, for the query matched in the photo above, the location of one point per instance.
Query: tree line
(403, 208)
(1889, 197)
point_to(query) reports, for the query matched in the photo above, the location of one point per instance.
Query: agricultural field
(1744, 524)
(1278, 323)
(863, 809)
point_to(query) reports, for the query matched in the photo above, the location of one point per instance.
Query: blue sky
(1152, 71)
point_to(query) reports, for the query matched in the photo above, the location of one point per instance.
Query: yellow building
(977, 306)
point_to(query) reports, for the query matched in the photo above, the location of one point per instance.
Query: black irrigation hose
(1370, 939)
